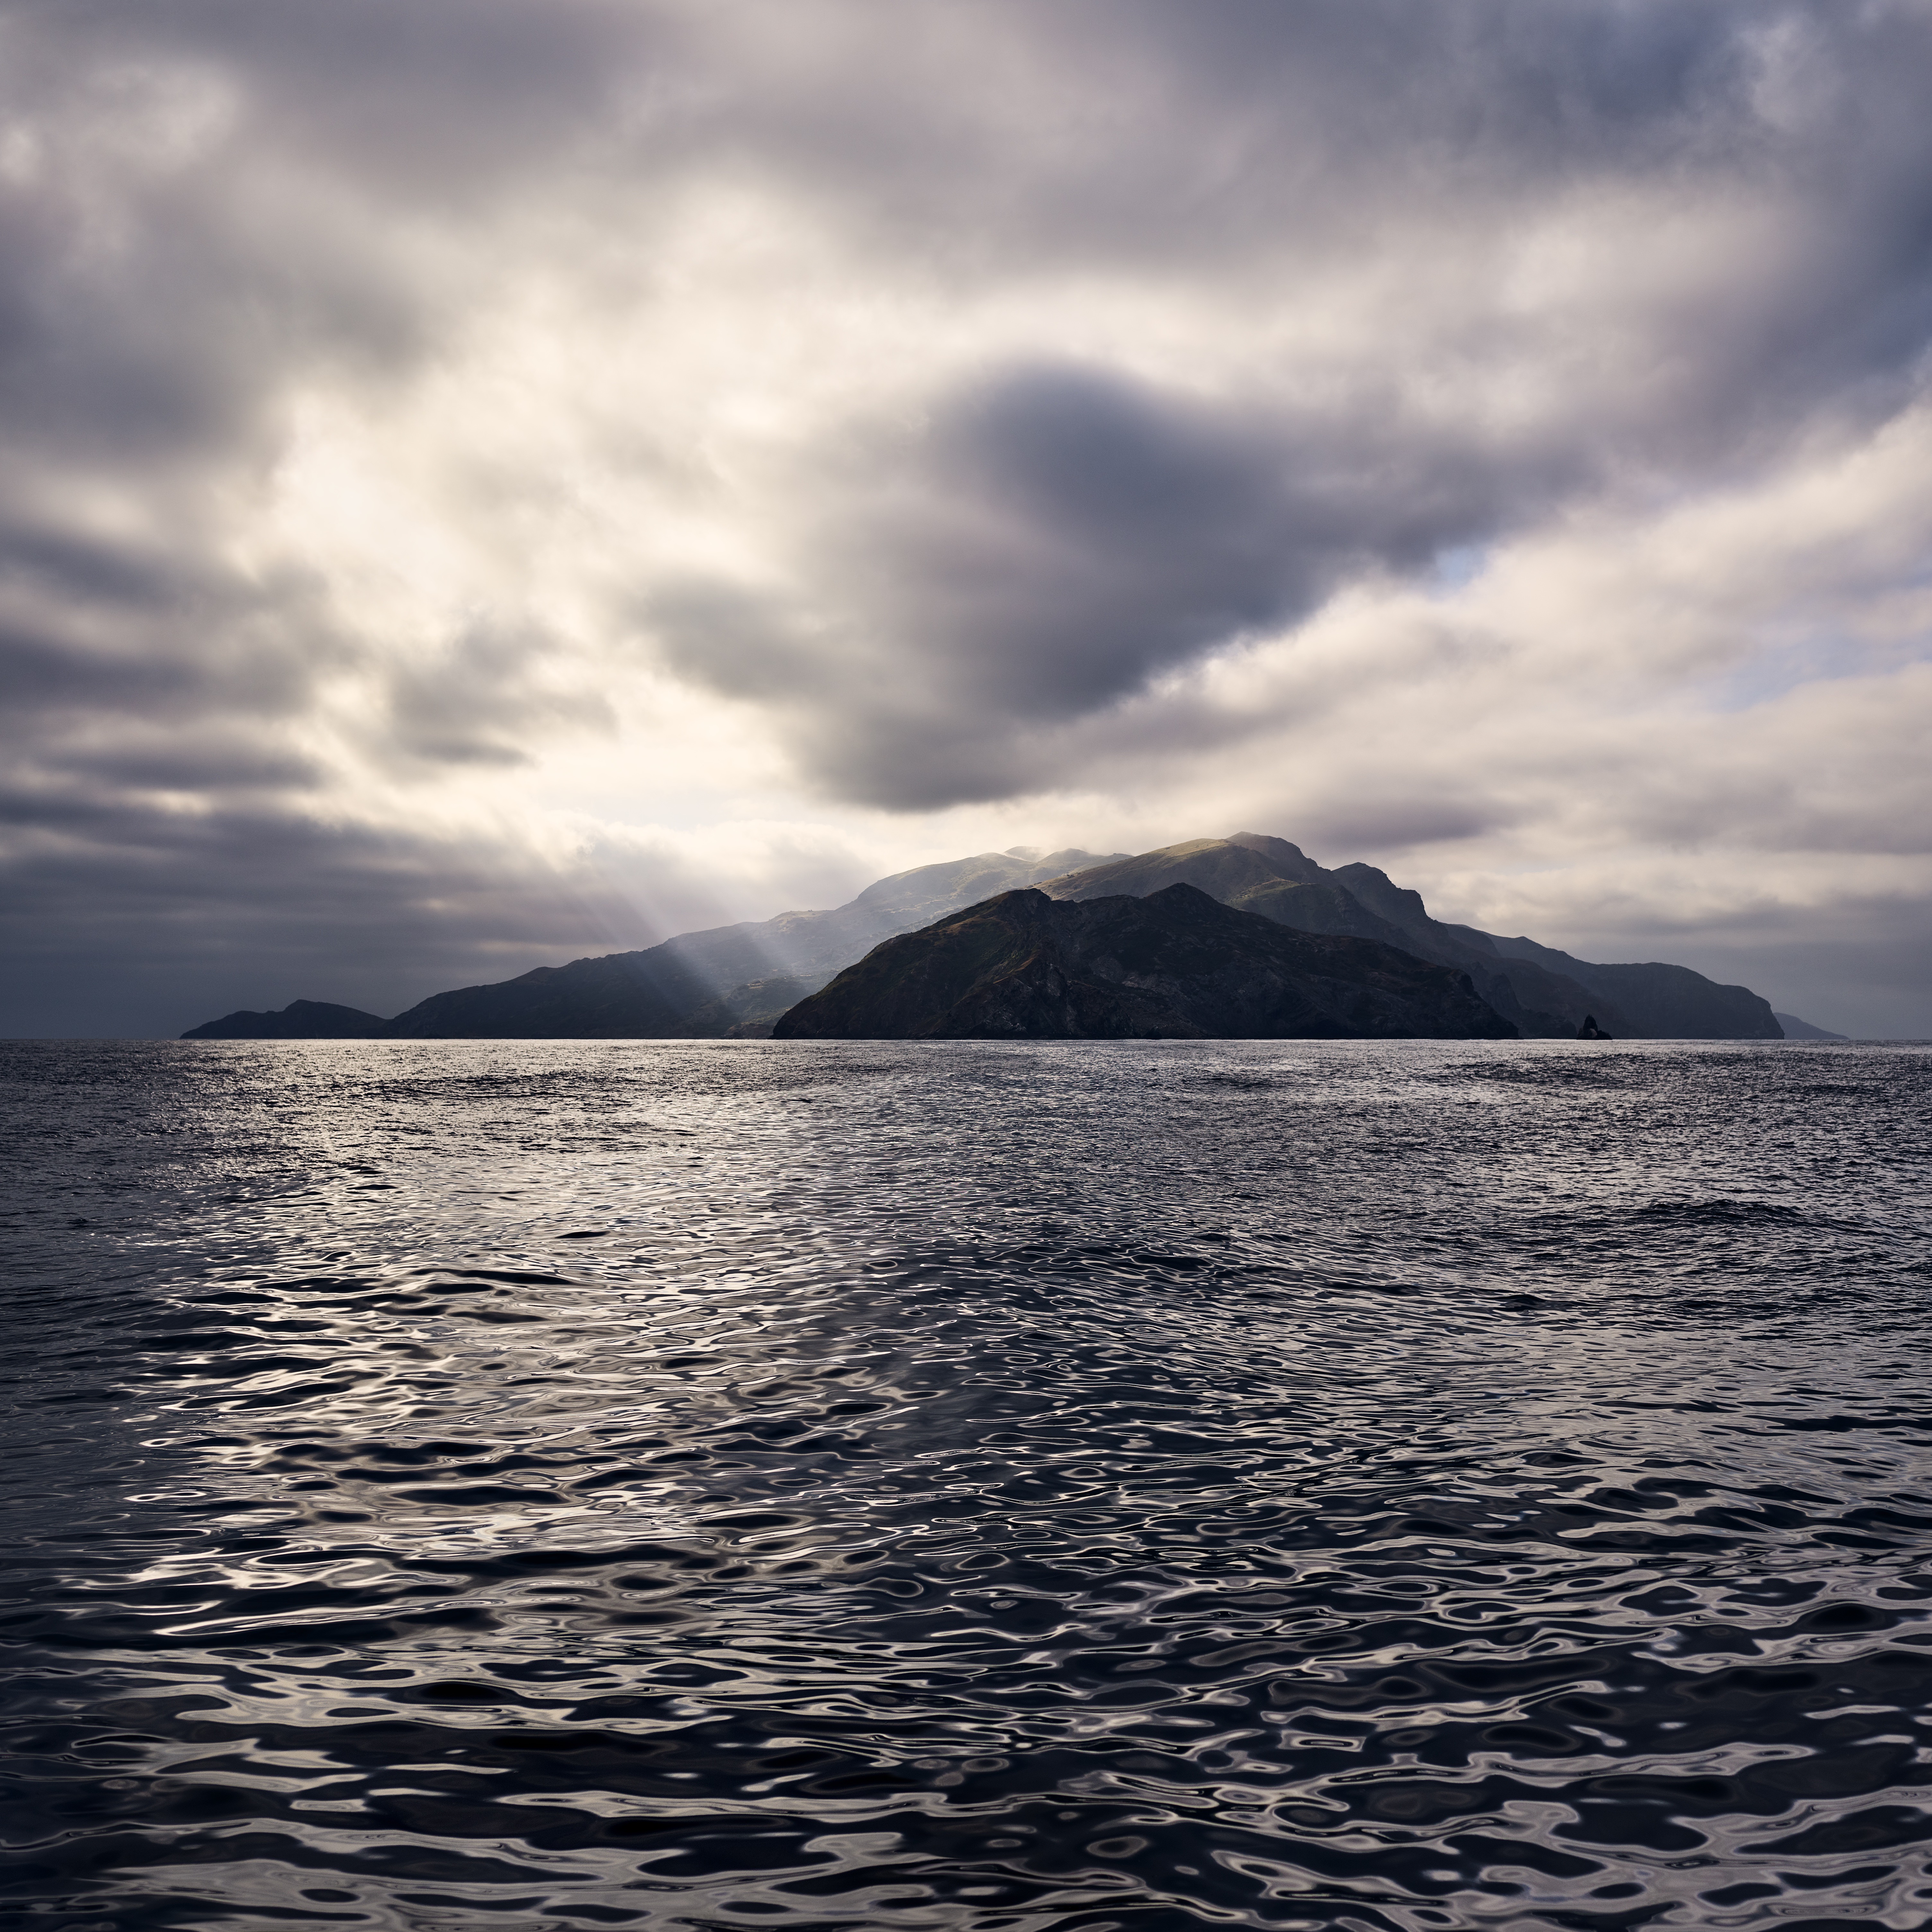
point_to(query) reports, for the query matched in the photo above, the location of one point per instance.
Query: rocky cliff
(1175, 964)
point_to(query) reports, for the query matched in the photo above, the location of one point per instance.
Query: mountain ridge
(738, 979)
(703, 984)
(1545, 993)
(1174, 964)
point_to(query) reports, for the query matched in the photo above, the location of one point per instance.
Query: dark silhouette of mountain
(1545, 994)
(300, 1019)
(1797, 1029)
(731, 979)
(623, 996)
(1177, 964)
(737, 979)
(1661, 1002)
(1279, 881)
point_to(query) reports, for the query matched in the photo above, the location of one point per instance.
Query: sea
(1050, 1486)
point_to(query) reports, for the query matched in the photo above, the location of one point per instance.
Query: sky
(486, 483)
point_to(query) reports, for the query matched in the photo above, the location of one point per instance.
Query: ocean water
(999, 1487)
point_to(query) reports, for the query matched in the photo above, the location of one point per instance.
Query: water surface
(1007, 1488)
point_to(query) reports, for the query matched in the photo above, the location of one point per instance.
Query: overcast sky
(485, 482)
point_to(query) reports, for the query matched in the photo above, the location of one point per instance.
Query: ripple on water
(662, 1484)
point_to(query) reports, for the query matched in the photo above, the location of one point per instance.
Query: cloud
(1051, 539)
(445, 439)
(481, 698)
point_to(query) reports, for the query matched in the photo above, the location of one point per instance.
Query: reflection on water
(536, 1484)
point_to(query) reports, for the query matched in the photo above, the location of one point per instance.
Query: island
(738, 982)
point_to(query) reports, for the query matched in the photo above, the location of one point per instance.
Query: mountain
(300, 1019)
(1249, 871)
(698, 985)
(1663, 1002)
(736, 979)
(1544, 993)
(1797, 1029)
(1177, 963)
(701, 984)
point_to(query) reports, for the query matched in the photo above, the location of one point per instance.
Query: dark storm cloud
(1126, 530)
(1103, 533)
(1058, 536)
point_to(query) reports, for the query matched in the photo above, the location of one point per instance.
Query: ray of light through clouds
(486, 483)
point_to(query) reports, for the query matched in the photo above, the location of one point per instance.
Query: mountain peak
(1177, 963)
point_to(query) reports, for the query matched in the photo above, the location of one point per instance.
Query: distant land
(300, 1019)
(1797, 1029)
(1173, 965)
(1545, 994)
(737, 981)
(728, 980)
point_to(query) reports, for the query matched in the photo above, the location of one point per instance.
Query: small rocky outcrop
(1589, 1029)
